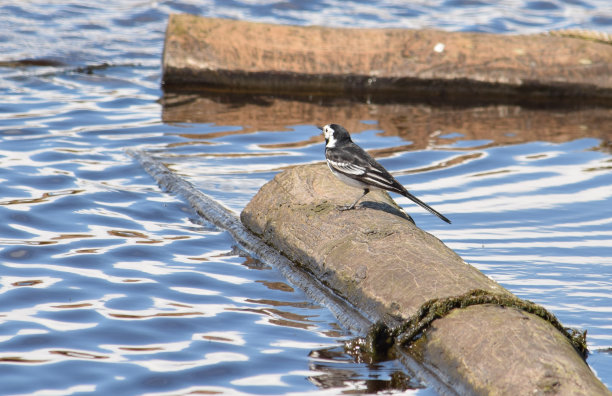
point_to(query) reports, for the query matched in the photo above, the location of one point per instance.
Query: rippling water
(110, 285)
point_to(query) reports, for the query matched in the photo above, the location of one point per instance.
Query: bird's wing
(356, 163)
(347, 168)
(347, 161)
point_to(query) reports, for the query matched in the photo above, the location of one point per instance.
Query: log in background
(246, 56)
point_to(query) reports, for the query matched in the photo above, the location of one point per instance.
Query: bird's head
(335, 134)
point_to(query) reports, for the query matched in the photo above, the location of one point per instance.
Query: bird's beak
(320, 127)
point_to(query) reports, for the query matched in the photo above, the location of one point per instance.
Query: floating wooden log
(223, 54)
(387, 267)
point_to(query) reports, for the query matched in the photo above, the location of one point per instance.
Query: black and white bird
(355, 167)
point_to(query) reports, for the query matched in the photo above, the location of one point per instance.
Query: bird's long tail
(425, 206)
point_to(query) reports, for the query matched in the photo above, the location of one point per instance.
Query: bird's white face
(328, 133)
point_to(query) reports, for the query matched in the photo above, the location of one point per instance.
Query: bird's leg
(365, 191)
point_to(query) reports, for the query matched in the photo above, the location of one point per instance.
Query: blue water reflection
(110, 285)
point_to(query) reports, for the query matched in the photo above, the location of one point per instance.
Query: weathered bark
(257, 57)
(387, 267)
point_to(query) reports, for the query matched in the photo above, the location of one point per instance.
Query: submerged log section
(243, 56)
(387, 267)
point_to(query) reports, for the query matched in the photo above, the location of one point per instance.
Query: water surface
(110, 285)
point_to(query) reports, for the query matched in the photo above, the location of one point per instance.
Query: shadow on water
(338, 372)
(425, 125)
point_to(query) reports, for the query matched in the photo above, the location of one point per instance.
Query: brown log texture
(387, 267)
(256, 57)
